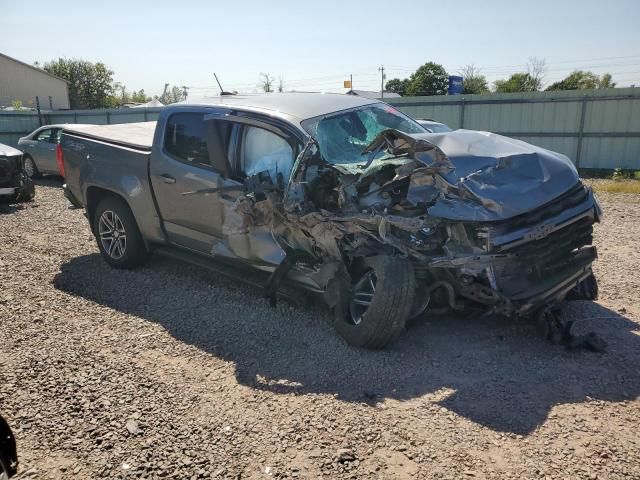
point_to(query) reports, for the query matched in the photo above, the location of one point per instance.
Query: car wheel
(117, 234)
(30, 167)
(26, 189)
(381, 302)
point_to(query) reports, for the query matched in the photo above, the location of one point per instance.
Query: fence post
(145, 114)
(39, 112)
(581, 130)
(462, 112)
(108, 118)
(75, 117)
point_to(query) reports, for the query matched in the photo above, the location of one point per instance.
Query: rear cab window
(185, 138)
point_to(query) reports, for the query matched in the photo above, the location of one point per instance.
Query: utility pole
(351, 81)
(184, 92)
(381, 70)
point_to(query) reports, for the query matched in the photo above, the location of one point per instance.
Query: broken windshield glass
(343, 136)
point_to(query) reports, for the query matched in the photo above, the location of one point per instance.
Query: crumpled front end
(511, 235)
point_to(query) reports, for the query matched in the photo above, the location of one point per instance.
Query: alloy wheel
(363, 292)
(113, 236)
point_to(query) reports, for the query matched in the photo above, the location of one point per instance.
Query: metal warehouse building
(21, 81)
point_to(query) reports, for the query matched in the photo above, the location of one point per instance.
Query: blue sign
(455, 85)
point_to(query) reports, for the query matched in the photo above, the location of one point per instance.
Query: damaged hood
(489, 177)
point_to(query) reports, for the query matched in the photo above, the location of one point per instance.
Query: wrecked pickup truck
(341, 196)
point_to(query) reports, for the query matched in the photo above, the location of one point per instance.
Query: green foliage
(475, 84)
(620, 174)
(581, 80)
(398, 86)
(429, 79)
(606, 81)
(518, 82)
(90, 84)
(173, 95)
(17, 104)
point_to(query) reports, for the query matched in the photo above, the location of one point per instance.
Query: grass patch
(616, 186)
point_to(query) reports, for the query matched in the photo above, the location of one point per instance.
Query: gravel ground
(172, 372)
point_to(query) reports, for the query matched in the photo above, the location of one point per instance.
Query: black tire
(26, 188)
(390, 307)
(128, 253)
(585, 290)
(28, 159)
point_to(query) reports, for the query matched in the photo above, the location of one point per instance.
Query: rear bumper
(71, 197)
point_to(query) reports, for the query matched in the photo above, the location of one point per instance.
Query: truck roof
(299, 105)
(290, 106)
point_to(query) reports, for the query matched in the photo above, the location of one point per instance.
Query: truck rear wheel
(117, 234)
(380, 305)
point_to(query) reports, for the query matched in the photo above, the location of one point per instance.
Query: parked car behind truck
(39, 148)
(344, 197)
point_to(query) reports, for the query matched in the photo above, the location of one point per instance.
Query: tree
(173, 95)
(472, 80)
(140, 96)
(536, 68)
(280, 84)
(398, 86)
(518, 82)
(429, 79)
(90, 84)
(606, 81)
(582, 80)
(266, 82)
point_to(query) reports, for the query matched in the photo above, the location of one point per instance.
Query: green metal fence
(15, 124)
(595, 128)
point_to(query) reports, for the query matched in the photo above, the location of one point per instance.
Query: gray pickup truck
(344, 197)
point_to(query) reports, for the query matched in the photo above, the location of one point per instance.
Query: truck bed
(131, 135)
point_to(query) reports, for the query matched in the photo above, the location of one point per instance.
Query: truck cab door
(183, 163)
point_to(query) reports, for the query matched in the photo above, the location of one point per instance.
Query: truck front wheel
(380, 304)
(117, 234)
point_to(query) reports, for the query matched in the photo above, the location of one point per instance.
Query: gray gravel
(172, 372)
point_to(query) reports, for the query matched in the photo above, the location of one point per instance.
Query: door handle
(166, 178)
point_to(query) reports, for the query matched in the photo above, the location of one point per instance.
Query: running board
(237, 272)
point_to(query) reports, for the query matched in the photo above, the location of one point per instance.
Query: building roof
(299, 105)
(371, 94)
(32, 67)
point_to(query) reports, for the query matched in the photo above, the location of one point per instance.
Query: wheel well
(94, 196)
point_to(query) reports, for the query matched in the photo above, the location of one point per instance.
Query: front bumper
(8, 191)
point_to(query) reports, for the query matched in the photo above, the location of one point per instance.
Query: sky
(315, 45)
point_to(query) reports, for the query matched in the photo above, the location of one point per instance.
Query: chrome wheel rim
(363, 292)
(113, 236)
(29, 167)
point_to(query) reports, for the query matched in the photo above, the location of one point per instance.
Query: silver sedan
(39, 149)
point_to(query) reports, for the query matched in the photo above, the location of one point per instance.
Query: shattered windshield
(343, 136)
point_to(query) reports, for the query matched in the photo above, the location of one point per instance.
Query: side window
(43, 136)
(186, 138)
(57, 133)
(262, 151)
